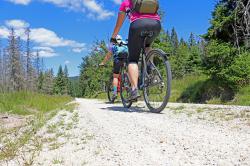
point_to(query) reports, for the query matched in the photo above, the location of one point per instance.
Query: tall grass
(181, 85)
(200, 89)
(25, 103)
(42, 108)
(242, 97)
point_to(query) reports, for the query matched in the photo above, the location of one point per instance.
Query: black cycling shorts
(135, 41)
(117, 66)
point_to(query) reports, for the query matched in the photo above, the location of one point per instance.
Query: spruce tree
(48, 83)
(29, 68)
(191, 40)
(174, 40)
(66, 79)
(6, 70)
(60, 83)
(40, 82)
(230, 22)
(16, 71)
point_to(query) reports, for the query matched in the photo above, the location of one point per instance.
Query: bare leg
(115, 79)
(133, 75)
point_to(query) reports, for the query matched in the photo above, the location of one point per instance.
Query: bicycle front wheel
(124, 89)
(157, 80)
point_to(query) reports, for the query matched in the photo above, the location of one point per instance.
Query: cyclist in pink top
(138, 23)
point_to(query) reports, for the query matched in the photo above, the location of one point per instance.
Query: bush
(225, 66)
(218, 56)
(238, 74)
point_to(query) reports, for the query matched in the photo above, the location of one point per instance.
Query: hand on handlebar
(101, 64)
(113, 40)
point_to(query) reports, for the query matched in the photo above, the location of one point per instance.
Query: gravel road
(102, 134)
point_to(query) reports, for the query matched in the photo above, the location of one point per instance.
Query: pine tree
(42, 66)
(60, 83)
(182, 42)
(37, 63)
(66, 77)
(174, 40)
(37, 70)
(180, 65)
(16, 71)
(31, 74)
(230, 22)
(6, 70)
(40, 82)
(167, 37)
(191, 40)
(48, 82)
(163, 41)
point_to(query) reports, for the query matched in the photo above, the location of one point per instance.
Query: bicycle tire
(152, 56)
(124, 89)
(110, 89)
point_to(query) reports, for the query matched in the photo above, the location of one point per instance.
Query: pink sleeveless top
(127, 5)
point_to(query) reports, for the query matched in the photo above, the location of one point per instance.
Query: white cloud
(45, 52)
(4, 32)
(16, 24)
(89, 7)
(79, 49)
(75, 5)
(46, 37)
(67, 62)
(20, 2)
(97, 10)
(42, 37)
(49, 38)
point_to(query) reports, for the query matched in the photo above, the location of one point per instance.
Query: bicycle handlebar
(121, 44)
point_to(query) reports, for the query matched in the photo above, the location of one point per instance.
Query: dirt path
(100, 134)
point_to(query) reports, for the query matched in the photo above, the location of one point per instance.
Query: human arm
(107, 57)
(120, 19)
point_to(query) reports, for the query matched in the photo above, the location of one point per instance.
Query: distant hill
(74, 78)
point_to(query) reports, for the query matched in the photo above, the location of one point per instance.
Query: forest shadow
(203, 91)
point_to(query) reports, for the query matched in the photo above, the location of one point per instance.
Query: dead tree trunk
(242, 23)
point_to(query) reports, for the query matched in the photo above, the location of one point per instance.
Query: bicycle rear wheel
(157, 79)
(124, 89)
(110, 89)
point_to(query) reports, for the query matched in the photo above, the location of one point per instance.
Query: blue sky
(63, 30)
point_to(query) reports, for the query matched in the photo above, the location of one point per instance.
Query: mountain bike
(109, 88)
(109, 84)
(154, 78)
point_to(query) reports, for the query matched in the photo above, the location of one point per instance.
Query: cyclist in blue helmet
(117, 50)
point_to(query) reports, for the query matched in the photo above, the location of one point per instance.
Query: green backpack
(145, 6)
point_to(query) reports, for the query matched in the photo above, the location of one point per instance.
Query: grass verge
(200, 89)
(40, 109)
(26, 103)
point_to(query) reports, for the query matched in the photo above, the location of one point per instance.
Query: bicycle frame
(149, 78)
(143, 67)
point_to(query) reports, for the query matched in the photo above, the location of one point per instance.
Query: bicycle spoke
(157, 88)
